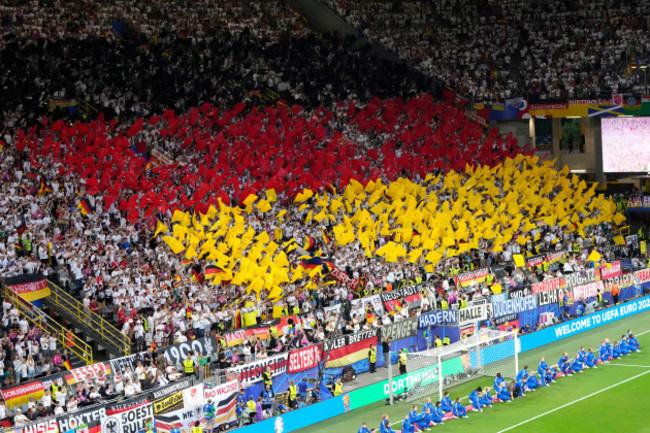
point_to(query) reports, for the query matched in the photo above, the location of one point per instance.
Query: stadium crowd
(83, 202)
(497, 50)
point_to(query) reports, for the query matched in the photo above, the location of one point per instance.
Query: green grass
(557, 408)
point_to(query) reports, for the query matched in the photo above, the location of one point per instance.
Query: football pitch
(611, 398)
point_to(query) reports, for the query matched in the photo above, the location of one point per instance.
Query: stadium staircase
(107, 341)
(81, 352)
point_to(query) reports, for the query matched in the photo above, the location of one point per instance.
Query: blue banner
(438, 317)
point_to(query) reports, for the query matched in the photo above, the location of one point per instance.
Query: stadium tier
(215, 218)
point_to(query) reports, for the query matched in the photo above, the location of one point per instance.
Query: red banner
(30, 287)
(89, 372)
(20, 394)
(610, 270)
(304, 359)
(343, 278)
(547, 285)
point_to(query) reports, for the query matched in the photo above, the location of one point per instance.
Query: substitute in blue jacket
(447, 405)
(413, 414)
(438, 414)
(499, 382)
(519, 388)
(576, 365)
(523, 374)
(428, 404)
(633, 343)
(616, 351)
(532, 382)
(364, 428)
(610, 348)
(383, 422)
(563, 364)
(549, 376)
(582, 355)
(503, 394)
(424, 420)
(623, 346)
(591, 359)
(486, 397)
(603, 352)
(459, 410)
(541, 368)
(474, 398)
(386, 428)
(407, 425)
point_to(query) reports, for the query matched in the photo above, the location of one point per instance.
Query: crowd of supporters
(495, 50)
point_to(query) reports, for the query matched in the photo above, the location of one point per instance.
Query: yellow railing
(106, 332)
(63, 335)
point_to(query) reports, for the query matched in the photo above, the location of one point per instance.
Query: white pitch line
(575, 401)
(630, 365)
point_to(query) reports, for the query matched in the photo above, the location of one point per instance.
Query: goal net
(431, 372)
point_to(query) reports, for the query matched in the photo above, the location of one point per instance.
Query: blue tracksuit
(413, 415)
(521, 386)
(577, 365)
(459, 410)
(446, 404)
(503, 394)
(408, 426)
(474, 399)
(522, 375)
(486, 400)
(582, 356)
(616, 352)
(385, 429)
(429, 406)
(633, 343)
(363, 429)
(438, 415)
(591, 359)
(532, 382)
(610, 350)
(623, 345)
(564, 365)
(541, 369)
(499, 382)
(550, 375)
(603, 353)
(423, 420)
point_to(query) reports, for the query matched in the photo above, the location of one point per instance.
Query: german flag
(84, 207)
(211, 271)
(43, 188)
(186, 262)
(326, 238)
(309, 243)
(67, 365)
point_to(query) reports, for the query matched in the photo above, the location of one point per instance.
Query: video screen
(626, 144)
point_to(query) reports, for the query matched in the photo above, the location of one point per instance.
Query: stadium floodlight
(431, 372)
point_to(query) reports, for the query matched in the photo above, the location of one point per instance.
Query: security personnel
(576, 248)
(372, 357)
(443, 304)
(446, 341)
(267, 377)
(197, 428)
(188, 366)
(338, 387)
(402, 362)
(438, 342)
(293, 393)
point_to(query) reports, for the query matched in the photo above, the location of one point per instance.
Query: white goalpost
(431, 372)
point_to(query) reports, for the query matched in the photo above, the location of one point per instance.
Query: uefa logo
(279, 425)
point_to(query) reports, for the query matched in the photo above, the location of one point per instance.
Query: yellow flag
(160, 227)
(271, 196)
(176, 245)
(519, 260)
(594, 256)
(178, 216)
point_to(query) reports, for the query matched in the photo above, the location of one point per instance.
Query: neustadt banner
(393, 298)
(252, 372)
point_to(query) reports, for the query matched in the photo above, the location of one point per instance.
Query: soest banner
(400, 330)
(252, 372)
(305, 358)
(129, 416)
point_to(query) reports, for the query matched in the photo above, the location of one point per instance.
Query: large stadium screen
(626, 144)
